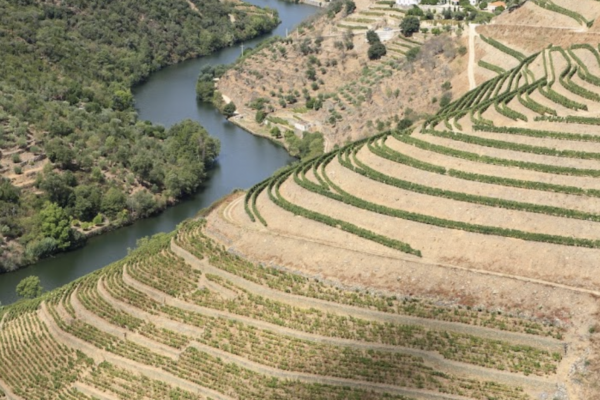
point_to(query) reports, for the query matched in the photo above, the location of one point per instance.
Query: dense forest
(74, 156)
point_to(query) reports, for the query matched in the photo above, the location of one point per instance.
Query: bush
(410, 25)
(30, 287)
(412, 54)
(445, 100)
(376, 51)
(260, 116)
(98, 220)
(229, 109)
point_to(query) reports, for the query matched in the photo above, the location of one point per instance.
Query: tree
(445, 100)
(416, 11)
(260, 116)
(483, 5)
(30, 287)
(229, 109)
(113, 201)
(205, 90)
(404, 123)
(350, 7)
(410, 25)
(372, 37)
(276, 132)
(376, 51)
(58, 189)
(122, 100)
(56, 224)
(87, 202)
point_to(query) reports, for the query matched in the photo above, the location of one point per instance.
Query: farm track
(471, 67)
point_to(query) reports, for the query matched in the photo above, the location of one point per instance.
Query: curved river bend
(168, 97)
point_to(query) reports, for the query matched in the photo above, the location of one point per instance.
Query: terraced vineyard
(473, 173)
(453, 260)
(182, 317)
(500, 187)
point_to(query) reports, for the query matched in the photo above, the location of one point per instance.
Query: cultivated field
(183, 318)
(453, 260)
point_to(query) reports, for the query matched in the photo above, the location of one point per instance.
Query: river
(168, 97)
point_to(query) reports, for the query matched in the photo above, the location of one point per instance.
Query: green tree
(404, 123)
(122, 100)
(113, 201)
(483, 5)
(410, 25)
(229, 109)
(87, 202)
(260, 116)
(372, 37)
(350, 7)
(29, 287)
(205, 90)
(445, 100)
(56, 223)
(376, 51)
(276, 132)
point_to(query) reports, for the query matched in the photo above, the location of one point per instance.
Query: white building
(407, 3)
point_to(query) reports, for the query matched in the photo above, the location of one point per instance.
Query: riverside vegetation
(74, 154)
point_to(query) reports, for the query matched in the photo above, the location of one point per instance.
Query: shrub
(410, 25)
(229, 109)
(376, 51)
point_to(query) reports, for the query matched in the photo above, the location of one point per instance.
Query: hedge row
(393, 155)
(363, 169)
(503, 48)
(571, 119)
(545, 168)
(583, 72)
(508, 112)
(581, 137)
(276, 198)
(524, 148)
(450, 224)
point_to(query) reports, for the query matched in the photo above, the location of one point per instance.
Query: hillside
(454, 259)
(183, 318)
(321, 77)
(491, 203)
(69, 133)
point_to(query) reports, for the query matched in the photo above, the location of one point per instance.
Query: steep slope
(493, 197)
(183, 318)
(321, 78)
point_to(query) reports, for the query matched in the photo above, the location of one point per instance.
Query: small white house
(302, 125)
(408, 3)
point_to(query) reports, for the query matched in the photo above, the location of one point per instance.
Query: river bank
(166, 98)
